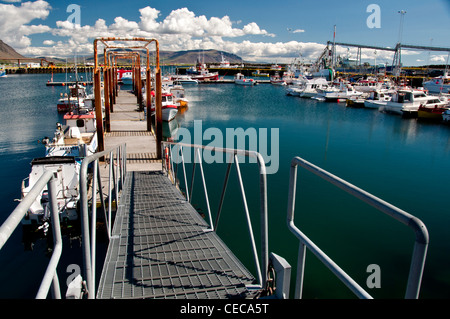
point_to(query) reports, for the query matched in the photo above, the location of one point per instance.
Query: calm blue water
(402, 161)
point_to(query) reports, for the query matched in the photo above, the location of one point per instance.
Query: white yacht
(313, 86)
(377, 98)
(342, 92)
(407, 102)
(440, 84)
(367, 85)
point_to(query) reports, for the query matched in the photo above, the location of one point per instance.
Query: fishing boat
(440, 84)
(377, 98)
(431, 113)
(183, 79)
(201, 73)
(311, 87)
(275, 67)
(126, 78)
(224, 63)
(259, 73)
(240, 79)
(169, 108)
(73, 100)
(179, 96)
(67, 170)
(367, 85)
(357, 101)
(2, 72)
(63, 155)
(277, 80)
(342, 92)
(406, 102)
(77, 138)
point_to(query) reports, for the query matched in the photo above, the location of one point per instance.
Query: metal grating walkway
(160, 249)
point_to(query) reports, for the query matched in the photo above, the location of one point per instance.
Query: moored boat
(73, 100)
(240, 79)
(2, 72)
(169, 108)
(277, 80)
(259, 73)
(377, 96)
(431, 113)
(440, 84)
(201, 73)
(406, 102)
(67, 170)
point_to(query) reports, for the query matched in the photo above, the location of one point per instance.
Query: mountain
(178, 57)
(6, 52)
(166, 57)
(191, 57)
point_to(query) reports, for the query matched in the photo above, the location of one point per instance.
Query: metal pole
(50, 277)
(107, 100)
(158, 104)
(98, 101)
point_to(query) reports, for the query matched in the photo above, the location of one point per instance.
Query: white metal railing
(50, 277)
(116, 174)
(261, 262)
(421, 241)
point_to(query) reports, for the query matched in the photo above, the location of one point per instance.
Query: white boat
(277, 80)
(406, 102)
(179, 96)
(125, 76)
(169, 108)
(342, 92)
(63, 155)
(2, 72)
(77, 138)
(224, 63)
(240, 79)
(74, 100)
(183, 79)
(67, 170)
(312, 87)
(201, 73)
(440, 84)
(377, 98)
(275, 67)
(261, 74)
(367, 85)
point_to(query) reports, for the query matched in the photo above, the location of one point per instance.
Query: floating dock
(160, 246)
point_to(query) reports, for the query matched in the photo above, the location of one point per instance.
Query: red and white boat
(201, 73)
(73, 100)
(169, 108)
(240, 79)
(277, 80)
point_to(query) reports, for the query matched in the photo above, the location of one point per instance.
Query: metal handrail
(116, 177)
(50, 277)
(421, 241)
(234, 153)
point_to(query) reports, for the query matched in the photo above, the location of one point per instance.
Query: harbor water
(402, 161)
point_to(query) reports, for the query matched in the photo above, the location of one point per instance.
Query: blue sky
(272, 31)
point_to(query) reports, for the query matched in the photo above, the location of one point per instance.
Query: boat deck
(160, 246)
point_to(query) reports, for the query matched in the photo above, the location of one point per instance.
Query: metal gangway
(131, 281)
